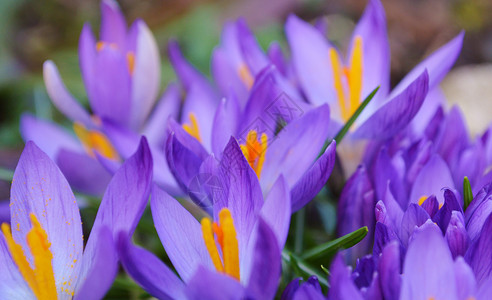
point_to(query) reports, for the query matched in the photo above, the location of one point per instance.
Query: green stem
(299, 230)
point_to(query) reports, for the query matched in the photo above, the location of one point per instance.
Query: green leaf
(6, 175)
(341, 134)
(467, 193)
(300, 217)
(325, 270)
(331, 247)
(303, 269)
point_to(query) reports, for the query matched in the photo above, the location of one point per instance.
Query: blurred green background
(32, 31)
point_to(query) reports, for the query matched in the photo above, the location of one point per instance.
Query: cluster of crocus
(226, 167)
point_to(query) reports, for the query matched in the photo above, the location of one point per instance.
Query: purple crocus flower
(413, 168)
(42, 256)
(326, 78)
(269, 154)
(121, 74)
(235, 254)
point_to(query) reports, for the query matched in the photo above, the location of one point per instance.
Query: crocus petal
(313, 180)
(308, 292)
(244, 193)
(456, 235)
(84, 173)
(375, 54)
(389, 269)
(209, 285)
(479, 255)
(477, 213)
(112, 88)
(356, 209)
(276, 210)
(168, 106)
(253, 54)
(146, 75)
(310, 51)
(386, 176)
(435, 99)
(104, 268)
(395, 114)
(285, 153)
(60, 96)
(225, 123)
(428, 267)
(123, 202)
(453, 136)
(48, 136)
(226, 76)
(183, 164)
(415, 216)
(276, 56)
(266, 264)
(434, 176)
(180, 234)
(149, 271)
(12, 284)
(39, 187)
(113, 25)
(4, 211)
(437, 64)
(203, 105)
(87, 60)
(431, 206)
(451, 204)
(342, 285)
(465, 279)
(186, 73)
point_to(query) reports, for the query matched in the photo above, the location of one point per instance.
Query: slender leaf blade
(331, 247)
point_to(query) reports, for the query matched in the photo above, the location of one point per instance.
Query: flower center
(225, 237)
(40, 279)
(130, 56)
(254, 150)
(95, 141)
(350, 77)
(192, 128)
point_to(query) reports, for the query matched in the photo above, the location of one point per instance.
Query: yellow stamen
(355, 76)
(130, 58)
(254, 150)
(193, 128)
(94, 141)
(422, 200)
(227, 239)
(245, 75)
(41, 279)
(230, 249)
(337, 80)
(353, 79)
(100, 45)
(208, 237)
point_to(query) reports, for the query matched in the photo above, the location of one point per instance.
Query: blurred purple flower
(326, 78)
(121, 73)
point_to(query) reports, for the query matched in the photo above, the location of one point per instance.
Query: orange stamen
(255, 150)
(193, 128)
(95, 141)
(225, 232)
(41, 279)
